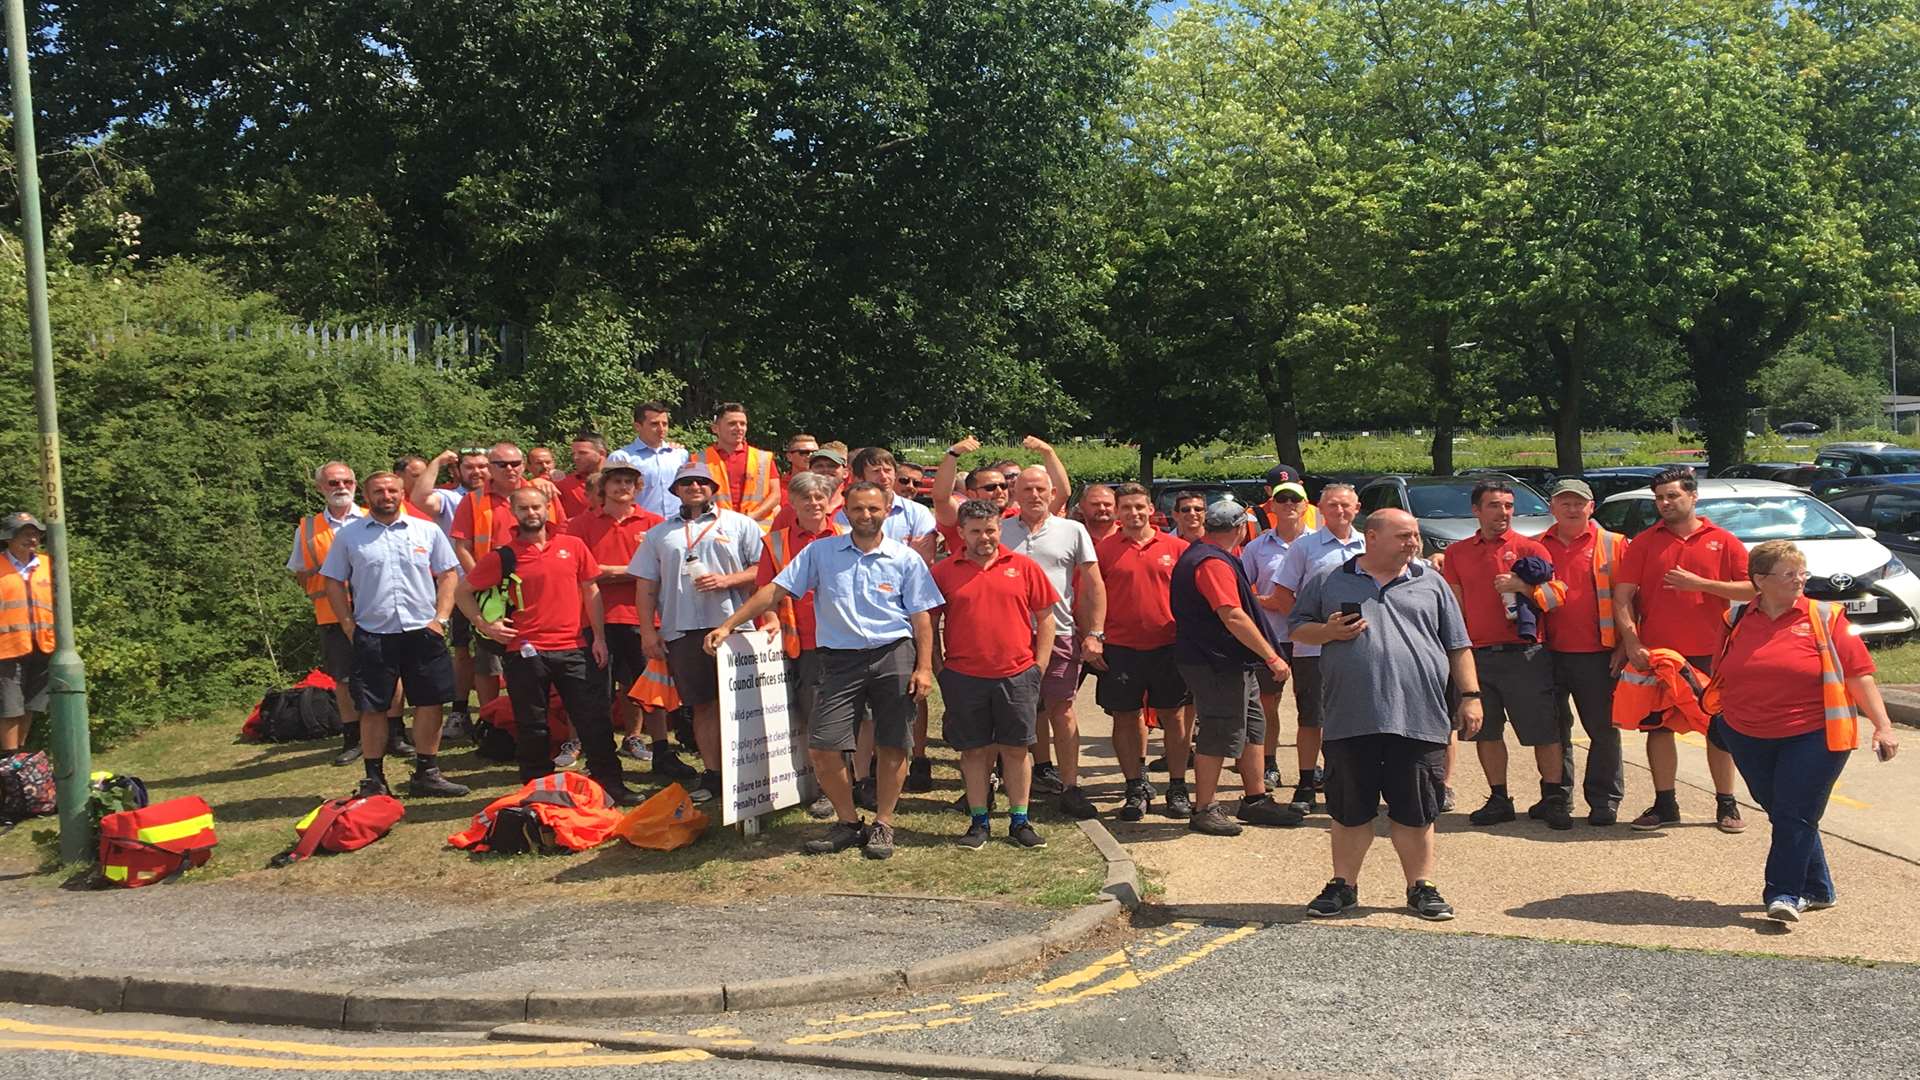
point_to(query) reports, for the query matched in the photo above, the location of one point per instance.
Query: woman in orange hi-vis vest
(1790, 686)
(26, 628)
(748, 482)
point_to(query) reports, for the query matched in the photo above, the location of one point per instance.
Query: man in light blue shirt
(402, 571)
(1262, 557)
(871, 601)
(657, 459)
(907, 521)
(1313, 554)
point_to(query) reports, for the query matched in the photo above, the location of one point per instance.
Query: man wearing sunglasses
(987, 485)
(483, 521)
(1261, 557)
(1189, 516)
(312, 539)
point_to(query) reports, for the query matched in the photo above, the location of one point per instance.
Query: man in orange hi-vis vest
(312, 538)
(26, 628)
(748, 483)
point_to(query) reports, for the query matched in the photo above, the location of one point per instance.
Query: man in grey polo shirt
(1391, 640)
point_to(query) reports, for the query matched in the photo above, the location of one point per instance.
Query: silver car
(1444, 506)
(1848, 565)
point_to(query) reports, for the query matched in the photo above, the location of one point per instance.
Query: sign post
(764, 763)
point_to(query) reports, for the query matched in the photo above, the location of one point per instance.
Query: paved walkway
(1689, 886)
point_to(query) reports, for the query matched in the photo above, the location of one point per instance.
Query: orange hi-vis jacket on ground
(315, 537)
(26, 611)
(1842, 715)
(761, 499)
(1608, 547)
(1664, 699)
(569, 803)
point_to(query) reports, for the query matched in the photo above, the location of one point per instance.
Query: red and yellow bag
(140, 847)
(340, 825)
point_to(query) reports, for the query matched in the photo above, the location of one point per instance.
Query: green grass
(259, 790)
(1897, 664)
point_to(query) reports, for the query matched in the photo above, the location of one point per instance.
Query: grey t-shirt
(1392, 679)
(721, 541)
(1060, 546)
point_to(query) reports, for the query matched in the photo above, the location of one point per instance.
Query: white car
(1847, 564)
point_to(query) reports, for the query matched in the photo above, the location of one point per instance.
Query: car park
(1848, 564)
(1443, 506)
(1892, 511)
(1852, 459)
(1538, 475)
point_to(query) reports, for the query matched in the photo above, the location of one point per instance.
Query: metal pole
(1893, 369)
(72, 747)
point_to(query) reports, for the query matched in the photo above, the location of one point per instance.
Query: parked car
(1165, 491)
(1832, 483)
(1892, 511)
(1757, 470)
(1868, 459)
(1848, 565)
(1798, 427)
(1613, 479)
(1537, 475)
(1442, 505)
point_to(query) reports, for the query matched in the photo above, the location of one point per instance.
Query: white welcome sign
(764, 765)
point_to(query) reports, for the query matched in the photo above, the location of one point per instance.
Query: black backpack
(517, 830)
(303, 714)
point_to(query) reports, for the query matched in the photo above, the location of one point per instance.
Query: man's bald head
(1393, 535)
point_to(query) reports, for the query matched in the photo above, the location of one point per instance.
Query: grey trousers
(1587, 678)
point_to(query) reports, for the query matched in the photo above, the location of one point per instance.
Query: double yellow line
(241, 1053)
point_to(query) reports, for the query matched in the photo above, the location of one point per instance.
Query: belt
(1520, 647)
(895, 643)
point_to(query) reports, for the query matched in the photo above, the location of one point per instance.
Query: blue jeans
(1790, 778)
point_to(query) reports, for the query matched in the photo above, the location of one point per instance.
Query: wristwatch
(1465, 694)
(951, 452)
(1098, 635)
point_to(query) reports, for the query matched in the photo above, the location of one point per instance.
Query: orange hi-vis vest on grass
(781, 547)
(761, 499)
(569, 803)
(1842, 715)
(1666, 698)
(316, 539)
(26, 612)
(1608, 547)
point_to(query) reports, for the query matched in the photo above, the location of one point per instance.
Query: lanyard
(693, 541)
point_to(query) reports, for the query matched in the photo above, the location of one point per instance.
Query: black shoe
(976, 836)
(429, 782)
(1158, 764)
(668, 766)
(865, 794)
(1046, 779)
(1657, 816)
(1337, 897)
(1262, 810)
(1075, 804)
(1025, 835)
(1213, 821)
(348, 754)
(820, 809)
(879, 844)
(1603, 815)
(1559, 814)
(707, 790)
(397, 744)
(1306, 799)
(919, 776)
(1499, 808)
(1138, 798)
(1178, 804)
(369, 787)
(1548, 793)
(843, 835)
(622, 795)
(1425, 901)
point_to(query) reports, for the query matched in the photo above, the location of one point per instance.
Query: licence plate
(1864, 604)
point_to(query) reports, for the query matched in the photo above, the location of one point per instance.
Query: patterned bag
(26, 786)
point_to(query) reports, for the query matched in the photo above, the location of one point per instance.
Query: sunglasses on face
(507, 464)
(991, 487)
(1289, 497)
(1189, 509)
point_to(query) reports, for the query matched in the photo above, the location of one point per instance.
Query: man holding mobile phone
(1391, 641)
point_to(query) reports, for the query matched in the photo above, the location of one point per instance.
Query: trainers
(1272, 776)
(1446, 800)
(668, 766)
(866, 794)
(1046, 779)
(1262, 810)
(1821, 905)
(457, 728)
(919, 776)
(1425, 901)
(1025, 835)
(1786, 908)
(348, 754)
(397, 744)
(879, 843)
(843, 835)
(370, 787)
(635, 747)
(1727, 817)
(707, 790)
(429, 782)
(1158, 764)
(1558, 815)
(569, 753)
(1075, 804)
(1213, 821)
(976, 836)
(820, 809)
(1603, 815)
(1499, 808)
(1337, 897)
(1178, 804)
(1656, 817)
(1306, 799)
(1134, 806)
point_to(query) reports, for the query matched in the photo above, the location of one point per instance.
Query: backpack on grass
(341, 825)
(26, 786)
(140, 847)
(300, 714)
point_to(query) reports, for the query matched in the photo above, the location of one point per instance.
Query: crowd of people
(607, 590)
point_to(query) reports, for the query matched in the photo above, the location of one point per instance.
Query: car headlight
(1438, 542)
(1894, 568)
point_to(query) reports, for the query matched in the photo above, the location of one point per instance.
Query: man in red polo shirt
(1099, 511)
(1516, 674)
(556, 580)
(1137, 564)
(998, 619)
(588, 450)
(1676, 583)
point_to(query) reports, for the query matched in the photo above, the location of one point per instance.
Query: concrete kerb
(828, 1056)
(1903, 704)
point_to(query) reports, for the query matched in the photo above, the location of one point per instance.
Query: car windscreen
(1894, 461)
(1754, 518)
(1455, 501)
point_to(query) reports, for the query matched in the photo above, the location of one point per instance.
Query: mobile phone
(1350, 608)
(1880, 751)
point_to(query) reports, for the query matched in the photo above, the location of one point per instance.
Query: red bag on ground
(140, 847)
(498, 713)
(340, 825)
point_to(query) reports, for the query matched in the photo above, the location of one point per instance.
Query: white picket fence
(437, 343)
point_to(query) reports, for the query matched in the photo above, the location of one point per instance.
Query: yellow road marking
(254, 1061)
(318, 1050)
(843, 1018)
(1215, 945)
(1086, 974)
(975, 999)
(1692, 738)
(1163, 940)
(713, 1032)
(942, 1007)
(820, 1037)
(1852, 804)
(1126, 980)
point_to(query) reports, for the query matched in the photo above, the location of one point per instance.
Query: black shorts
(696, 674)
(803, 676)
(460, 630)
(990, 712)
(336, 653)
(877, 679)
(1306, 689)
(626, 657)
(417, 658)
(1136, 677)
(1410, 774)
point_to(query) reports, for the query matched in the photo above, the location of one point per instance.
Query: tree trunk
(1446, 401)
(1275, 376)
(1569, 357)
(1146, 463)
(1720, 396)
